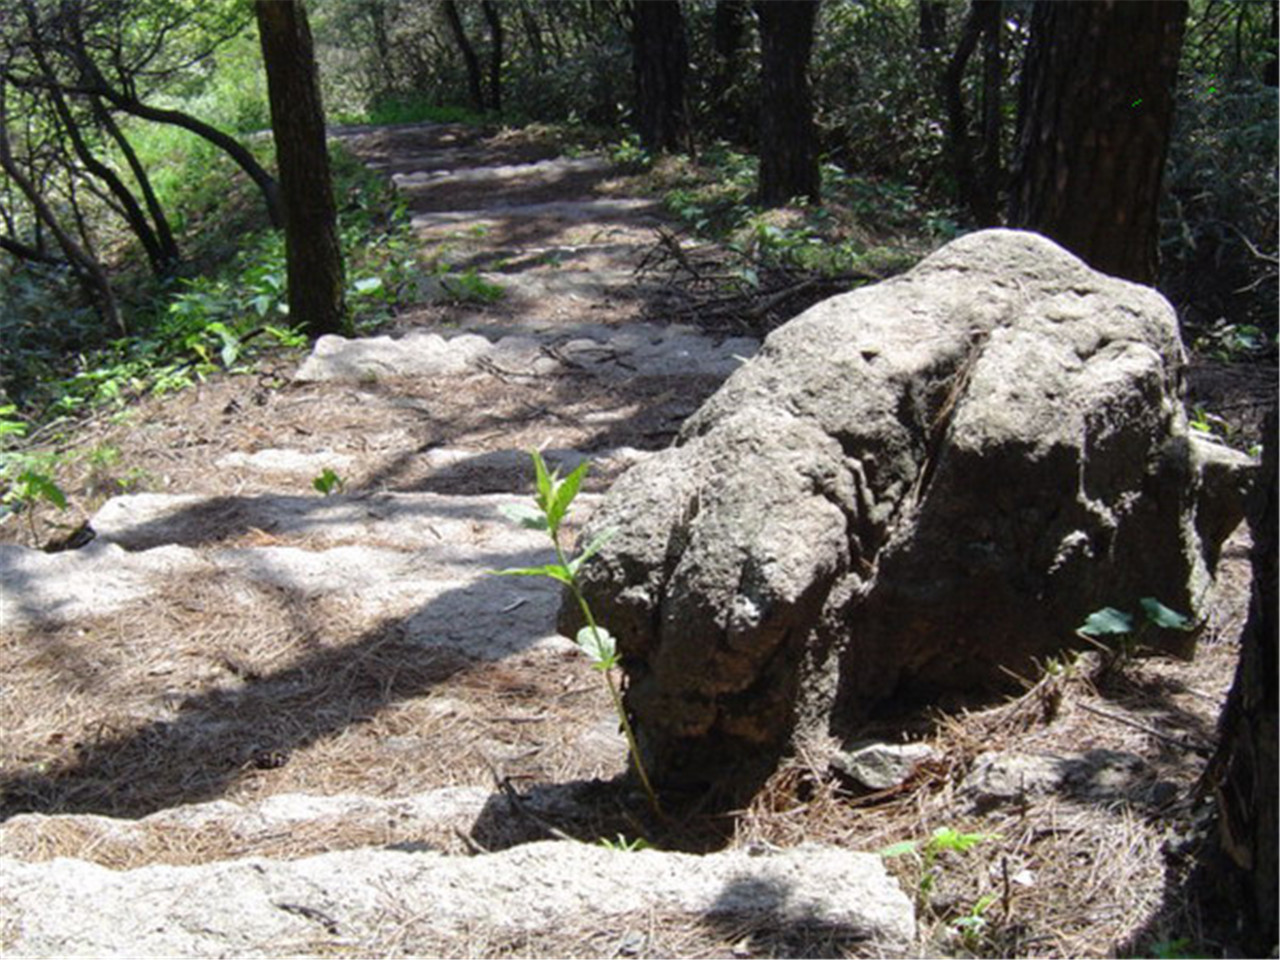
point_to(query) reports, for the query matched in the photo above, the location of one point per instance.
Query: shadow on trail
(226, 732)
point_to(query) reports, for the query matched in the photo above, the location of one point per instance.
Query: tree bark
(494, 20)
(1240, 861)
(164, 232)
(788, 139)
(474, 81)
(728, 33)
(932, 24)
(990, 171)
(660, 56)
(313, 253)
(1096, 109)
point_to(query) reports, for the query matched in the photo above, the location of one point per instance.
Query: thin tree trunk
(959, 143)
(494, 20)
(533, 33)
(92, 276)
(316, 284)
(164, 233)
(990, 172)
(932, 24)
(474, 82)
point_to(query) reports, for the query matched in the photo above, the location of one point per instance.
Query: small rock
(880, 766)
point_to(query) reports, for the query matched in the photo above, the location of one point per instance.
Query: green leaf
(552, 570)
(898, 849)
(592, 549)
(528, 517)
(1163, 617)
(948, 838)
(545, 481)
(1106, 621)
(563, 493)
(599, 646)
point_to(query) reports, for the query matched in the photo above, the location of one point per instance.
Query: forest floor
(234, 671)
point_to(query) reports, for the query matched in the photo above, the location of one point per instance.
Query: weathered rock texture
(909, 487)
(384, 902)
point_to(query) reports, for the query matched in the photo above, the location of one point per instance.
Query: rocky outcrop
(910, 487)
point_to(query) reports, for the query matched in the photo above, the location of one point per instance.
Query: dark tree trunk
(494, 20)
(660, 56)
(788, 140)
(991, 173)
(728, 33)
(1094, 120)
(533, 34)
(976, 192)
(164, 233)
(933, 24)
(1240, 863)
(313, 254)
(475, 83)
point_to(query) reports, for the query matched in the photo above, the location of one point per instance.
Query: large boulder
(911, 489)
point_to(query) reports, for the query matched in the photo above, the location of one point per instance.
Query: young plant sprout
(554, 495)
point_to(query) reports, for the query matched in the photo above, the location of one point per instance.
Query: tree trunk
(932, 24)
(297, 121)
(1094, 120)
(1240, 862)
(164, 233)
(728, 33)
(990, 171)
(788, 140)
(494, 19)
(474, 81)
(533, 34)
(660, 55)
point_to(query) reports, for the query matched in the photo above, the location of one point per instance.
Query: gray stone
(1095, 776)
(366, 900)
(601, 351)
(909, 487)
(880, 766)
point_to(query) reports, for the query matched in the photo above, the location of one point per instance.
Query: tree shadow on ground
(223, 733)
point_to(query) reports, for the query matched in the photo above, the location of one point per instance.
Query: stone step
(602, 211)
(421, 558)
(611, 353)
(574, 899)
(548, 171)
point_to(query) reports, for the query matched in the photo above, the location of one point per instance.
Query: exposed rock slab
(423, 558)
(371, 898)
(643, 351)
(909, 487)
